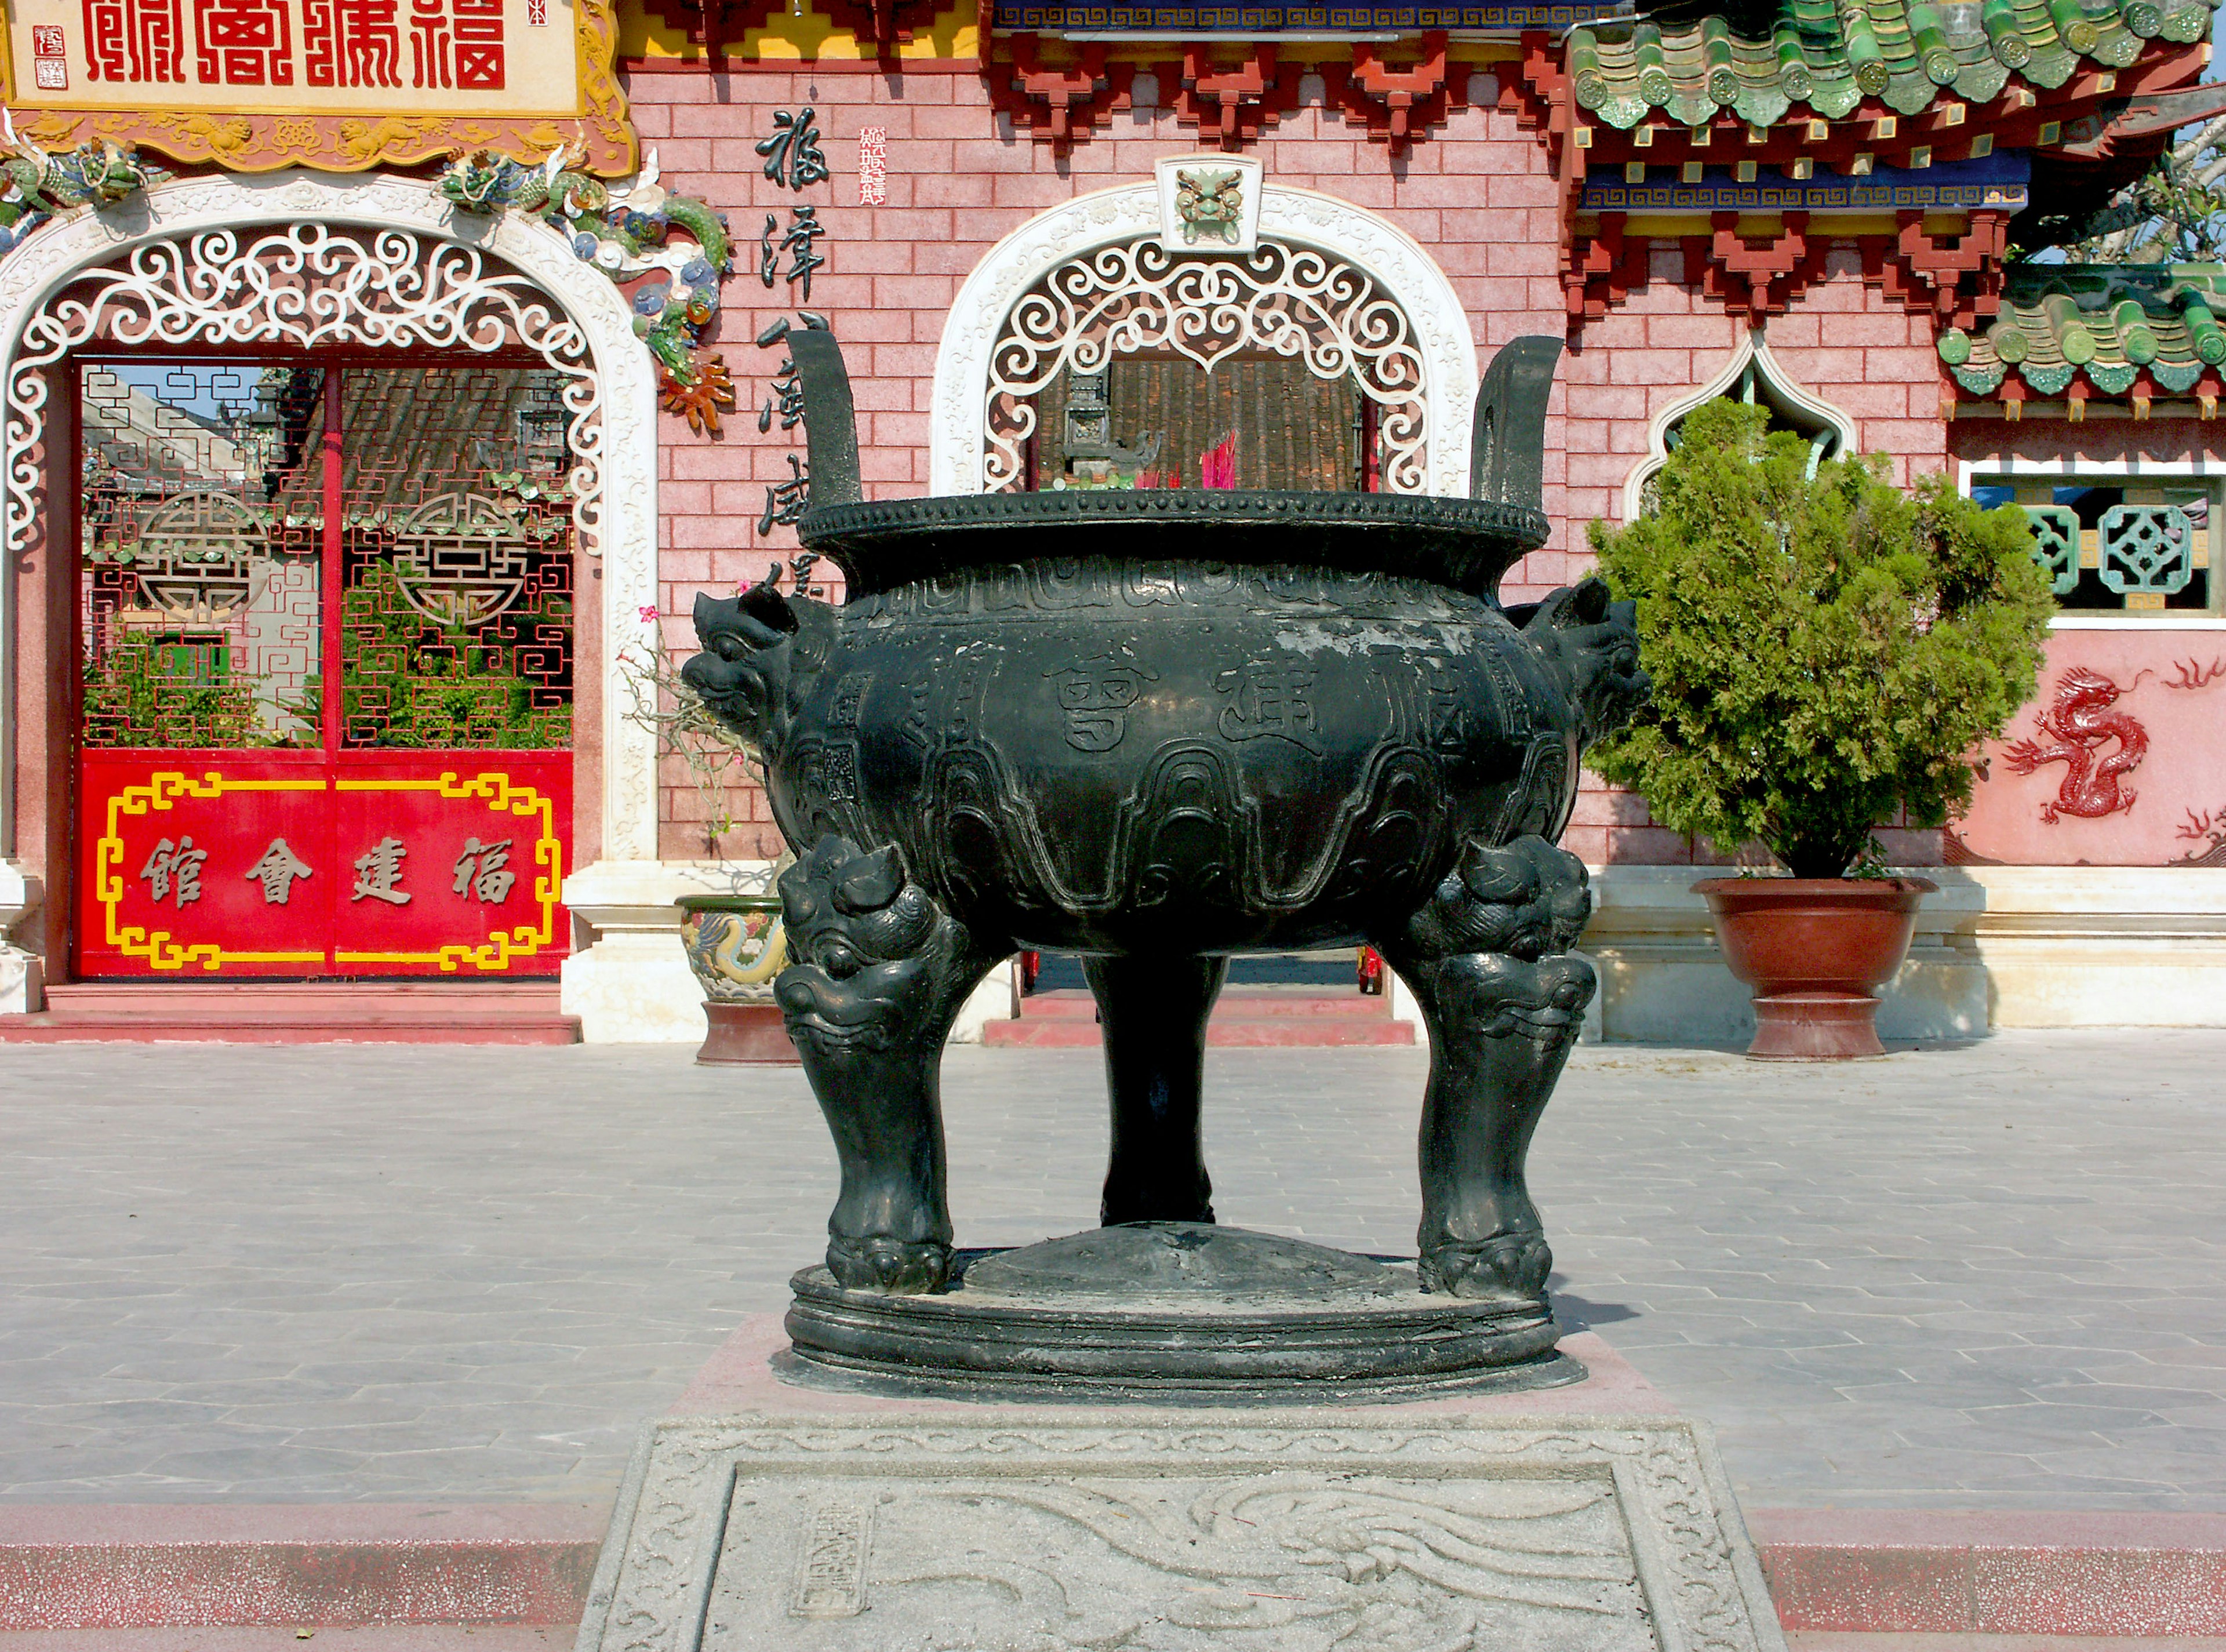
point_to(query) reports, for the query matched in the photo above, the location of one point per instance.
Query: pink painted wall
(2133, 774)
(2163, 809)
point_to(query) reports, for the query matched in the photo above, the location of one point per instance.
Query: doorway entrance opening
(325, 614)
(1254, 420)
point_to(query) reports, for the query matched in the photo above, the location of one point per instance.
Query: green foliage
(418, 685)
(158, 691)
(2175, 212)
(1824, 651)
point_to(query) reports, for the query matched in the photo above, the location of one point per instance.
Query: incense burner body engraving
(1160, 729)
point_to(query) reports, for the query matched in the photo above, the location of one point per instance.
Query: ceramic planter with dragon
(735, 947)
(1160, 728)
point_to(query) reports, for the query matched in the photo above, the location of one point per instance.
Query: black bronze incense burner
(1161, 728)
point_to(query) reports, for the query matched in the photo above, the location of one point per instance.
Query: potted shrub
(1826, 650)
(733, 938)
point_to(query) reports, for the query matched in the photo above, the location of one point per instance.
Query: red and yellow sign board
(385, 864)
(253, 85)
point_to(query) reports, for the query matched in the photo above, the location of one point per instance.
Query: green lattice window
(2114, 545)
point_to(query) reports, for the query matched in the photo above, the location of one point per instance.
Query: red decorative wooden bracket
(1959, 278)
(1234, 106)
(1399, 105)
(885, 24)
(1533, 93)
(1757, 278)
(1604, 268)
(714, 25)
(1057, 105)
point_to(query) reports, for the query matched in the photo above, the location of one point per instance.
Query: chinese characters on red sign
(481, 872)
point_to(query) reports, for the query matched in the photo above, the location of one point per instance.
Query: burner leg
(879, 973)
(1153, 1013)
(1503, 1001)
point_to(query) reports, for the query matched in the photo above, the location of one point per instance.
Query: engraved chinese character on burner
(277, 872)
(849, 694)
(913, 725)
(378, 871)
(480, 871)
(175, 868)
(1094, 698)
(1269, 700)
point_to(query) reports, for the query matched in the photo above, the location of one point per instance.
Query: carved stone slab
(1225, 1531)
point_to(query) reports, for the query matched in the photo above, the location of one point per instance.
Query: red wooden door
(243, 810)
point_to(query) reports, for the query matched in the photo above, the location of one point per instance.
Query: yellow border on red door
(108, 882)
(501, 947)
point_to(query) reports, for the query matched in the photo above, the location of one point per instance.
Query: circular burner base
(1170, 1312)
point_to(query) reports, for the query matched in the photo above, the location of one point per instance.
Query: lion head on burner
(1592, 643)
(761, 650)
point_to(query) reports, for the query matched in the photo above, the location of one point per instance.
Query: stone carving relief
(1235, 1530)
(2098, 745)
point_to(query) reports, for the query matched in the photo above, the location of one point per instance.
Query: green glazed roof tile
(1830, 54)
(2108, 321)
(1982, 81)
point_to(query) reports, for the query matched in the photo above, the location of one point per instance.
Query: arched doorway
(324, 468)
(1323, 302)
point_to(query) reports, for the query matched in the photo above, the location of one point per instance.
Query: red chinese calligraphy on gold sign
(254, 85)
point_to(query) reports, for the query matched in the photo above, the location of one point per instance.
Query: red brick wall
(1475, 195)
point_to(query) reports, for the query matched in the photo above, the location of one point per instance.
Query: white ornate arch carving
(1770, 383)
(1298, 218)
(368, 291)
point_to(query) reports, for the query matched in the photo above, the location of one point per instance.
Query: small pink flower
(649, 613)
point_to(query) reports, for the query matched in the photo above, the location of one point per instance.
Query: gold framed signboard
(344, 85)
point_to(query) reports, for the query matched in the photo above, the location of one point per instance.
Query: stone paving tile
(1977, 1277)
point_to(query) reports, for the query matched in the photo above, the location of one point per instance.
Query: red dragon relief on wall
(2074, 729)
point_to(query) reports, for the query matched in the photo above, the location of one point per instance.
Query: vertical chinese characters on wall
(794, 161)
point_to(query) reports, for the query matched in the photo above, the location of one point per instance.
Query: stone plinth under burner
(1171, 1310)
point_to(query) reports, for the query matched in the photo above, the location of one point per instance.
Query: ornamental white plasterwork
(1293, 223)
(293, 258)
(1769, 381)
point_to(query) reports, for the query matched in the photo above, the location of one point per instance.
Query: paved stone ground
(1977, 1277)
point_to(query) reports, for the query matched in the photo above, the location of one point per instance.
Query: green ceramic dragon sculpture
(40, 184)
(627, 232)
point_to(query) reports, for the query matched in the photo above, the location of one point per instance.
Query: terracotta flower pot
(1816, 950)
(735, 947)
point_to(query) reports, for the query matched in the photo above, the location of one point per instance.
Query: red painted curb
(208, 1566)
(212, 1564)
(2090, 1574)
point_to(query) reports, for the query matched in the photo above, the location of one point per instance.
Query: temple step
(324, 1011)
(1067, 1020)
